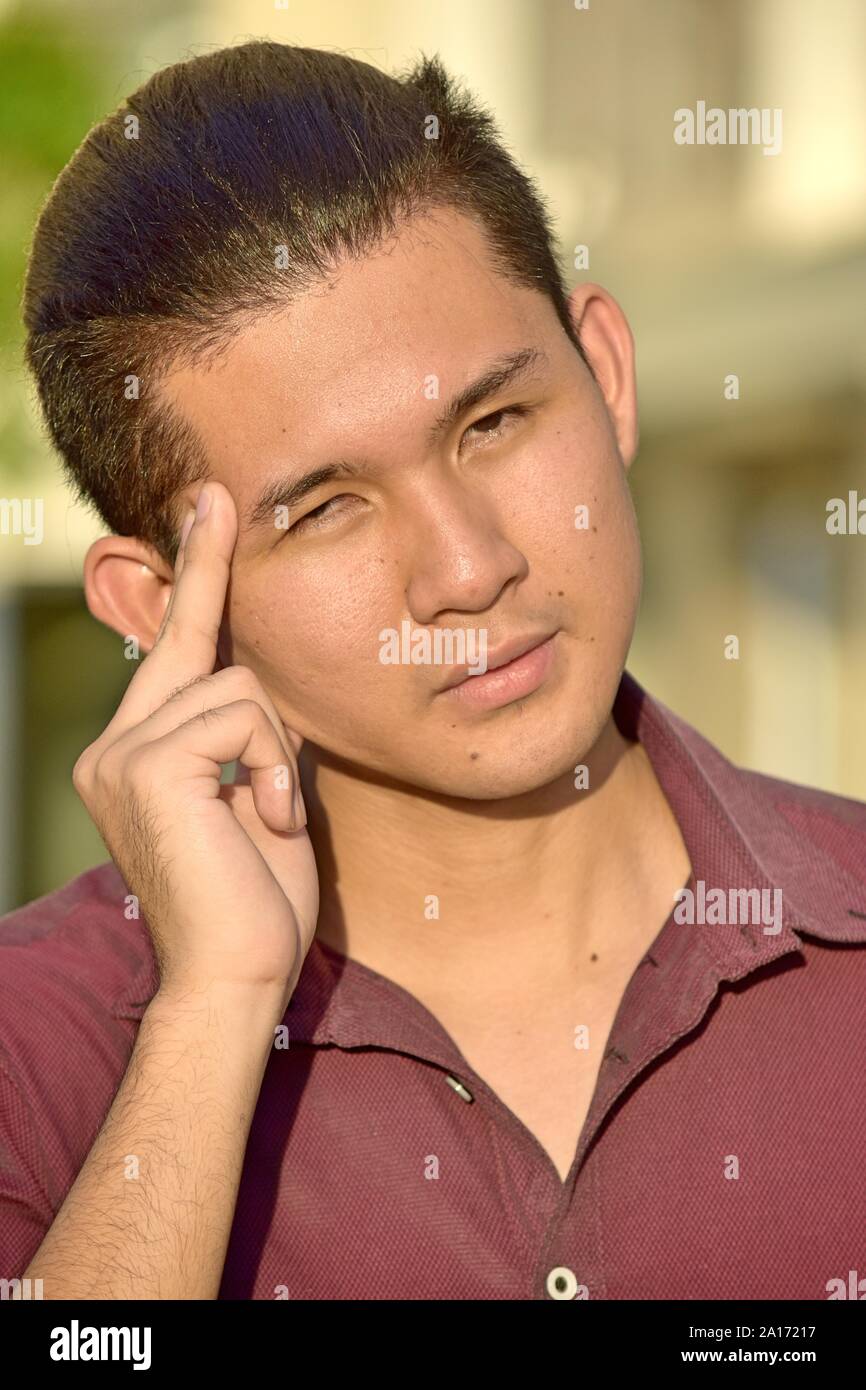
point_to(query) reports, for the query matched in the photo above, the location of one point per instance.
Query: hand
(224, 873)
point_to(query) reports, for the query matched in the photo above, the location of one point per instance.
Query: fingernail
(203, 504)
(299, 813)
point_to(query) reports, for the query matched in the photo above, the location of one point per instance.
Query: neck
(411, 881)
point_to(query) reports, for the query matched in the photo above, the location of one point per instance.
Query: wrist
(221, 1003)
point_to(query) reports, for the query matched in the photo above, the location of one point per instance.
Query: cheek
(569, 502)
(305, 625)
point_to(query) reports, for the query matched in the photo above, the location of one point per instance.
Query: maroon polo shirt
(722, 1156)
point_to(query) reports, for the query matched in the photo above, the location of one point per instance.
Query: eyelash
(316, 516)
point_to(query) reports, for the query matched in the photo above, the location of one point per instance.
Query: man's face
(469, 530)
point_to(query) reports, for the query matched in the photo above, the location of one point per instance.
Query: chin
(524, 761)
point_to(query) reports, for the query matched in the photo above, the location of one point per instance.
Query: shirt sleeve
(25, 1212)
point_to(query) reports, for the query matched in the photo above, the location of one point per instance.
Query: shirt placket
(667, 998)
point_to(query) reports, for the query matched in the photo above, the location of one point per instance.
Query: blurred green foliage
(57, 80)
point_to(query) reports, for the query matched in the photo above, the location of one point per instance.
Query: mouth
(514, 670)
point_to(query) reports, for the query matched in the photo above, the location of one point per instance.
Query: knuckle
(251, 708)
(104, 769)
(138, 768)
(81, 772)
(244, 681)
(253, 714)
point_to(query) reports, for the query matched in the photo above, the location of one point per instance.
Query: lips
(508, 651)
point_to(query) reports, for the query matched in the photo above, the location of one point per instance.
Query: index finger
(186, 644)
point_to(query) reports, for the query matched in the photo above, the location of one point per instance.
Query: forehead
(350, 359)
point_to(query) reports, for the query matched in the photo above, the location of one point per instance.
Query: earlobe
(127, 585)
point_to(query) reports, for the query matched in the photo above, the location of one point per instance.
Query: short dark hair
(153, 250)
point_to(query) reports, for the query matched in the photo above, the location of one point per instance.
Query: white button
(561, 1282)
(459, 1088)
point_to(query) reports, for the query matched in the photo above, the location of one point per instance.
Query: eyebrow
(288, 491)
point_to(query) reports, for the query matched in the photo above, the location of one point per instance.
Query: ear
(608, 343)
(127, 585)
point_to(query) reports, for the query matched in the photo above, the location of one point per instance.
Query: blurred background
(727, 262)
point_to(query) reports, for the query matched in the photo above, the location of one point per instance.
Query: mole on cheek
(473, 756)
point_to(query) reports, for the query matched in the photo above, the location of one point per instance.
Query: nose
(458, 559)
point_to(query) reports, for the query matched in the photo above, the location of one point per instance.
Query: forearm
(149, 1214)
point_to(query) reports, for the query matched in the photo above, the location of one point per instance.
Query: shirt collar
(745, 829)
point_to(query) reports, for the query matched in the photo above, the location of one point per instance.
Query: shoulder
(811, 841)
(789, 816)
(758, 829)
(81, 944)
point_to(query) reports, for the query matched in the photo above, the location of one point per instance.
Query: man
(488, 977)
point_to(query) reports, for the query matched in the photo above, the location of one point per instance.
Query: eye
(319, 516)
(495, 425)
(490, 427)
